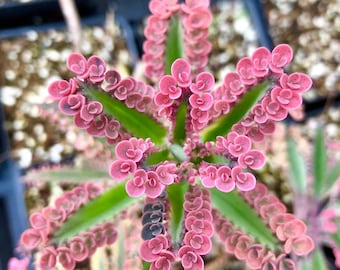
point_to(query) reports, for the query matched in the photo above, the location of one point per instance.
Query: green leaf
(146, 265)
(105, 207)
(331, 176)
(68, 174)
(177, 151)
(137, 123)
(222, 125)
(336, 238)
(157, 157)
(180, 130)
(232, 206)
(174, 44)
(319, 162)
(298, 179)
(318, 261)
(176, 199)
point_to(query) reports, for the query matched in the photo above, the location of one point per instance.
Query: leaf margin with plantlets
(223, 124)
(233, 207)
(105, 207)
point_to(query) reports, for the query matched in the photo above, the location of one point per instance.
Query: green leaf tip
(319, 162)
(174, 46)
(298, 172)
(102, 208)
(137, 123)
(176, 199)
(222, 125)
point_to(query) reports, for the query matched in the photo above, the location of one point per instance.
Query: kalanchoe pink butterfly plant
(184, 150)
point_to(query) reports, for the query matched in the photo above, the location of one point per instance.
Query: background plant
(181, 144)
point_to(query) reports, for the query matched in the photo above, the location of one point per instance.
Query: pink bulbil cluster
(195, 17)
(287, 227)
(50, 219)
(245, 248)
(89, 114)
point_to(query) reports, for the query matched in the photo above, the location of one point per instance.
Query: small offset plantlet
(183, 153)
(320, 201)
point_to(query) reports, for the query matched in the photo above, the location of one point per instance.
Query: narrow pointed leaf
(157, 157)
(318, 261)
(105, 207)
(222, 125)
(68, 174)
(298, 174)
(176, 199)
(232, 206)
(336, 238)
(146, 265)
(137, 123)
(174, 44)
(331, 176)
(180, 130)
(319, 162)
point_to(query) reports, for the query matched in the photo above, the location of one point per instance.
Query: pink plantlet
(255, 256)
(167, 86)
(112, 78)
(239, 145)
(197, 3)
(136, 186)
(123, 88)
(269, 211)
(297, 82)
(120, 169)
(199, 226)
(90, 110)
(208, 176)
(246, 71)
(198, 18)
(38, 221)
(282, 263)
(253, 159)
(97, 126)
(125, 150)
(77, 63)
(259, 113)
(244, 181)
(54, 215)
(65, 258)
(31, 239)
(71, 104)
(224, 181)
(233, 84)
(62, 88)
(204, 82)
(273, 109)
(280, 220)
(78, 249)
(181, 71)
(190, 260)
(242, 246)
(90, 242)
(110, 232)
(291, 229)
(112, 129)
(200, 243)
(201, 214)
(18, 264)
(287, 98)
(150, 250)
(164, 261)
(96, 69)
(259, 191)
(282, 55)
(301, 245)
(202, 102)
(153, 185)
(193, 204)
(99, 236)
(48, 258)
(163, 100)
(167, 173)
(261, 58)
